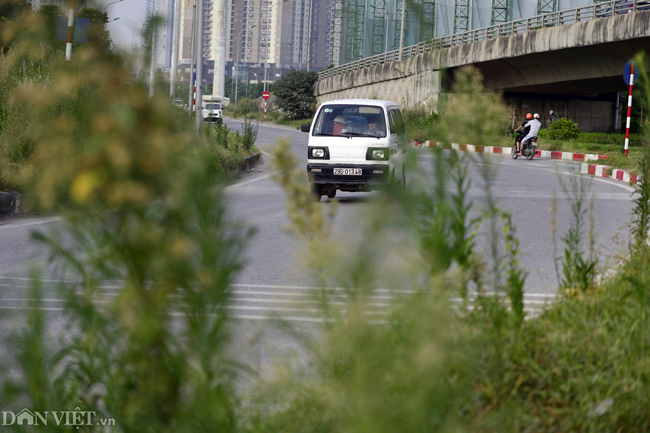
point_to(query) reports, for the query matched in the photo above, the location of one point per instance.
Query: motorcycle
(528, 150)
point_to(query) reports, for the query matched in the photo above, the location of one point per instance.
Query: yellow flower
(85, 184)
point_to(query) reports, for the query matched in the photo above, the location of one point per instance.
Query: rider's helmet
(536, 116)
(340, 119)
(529, 116)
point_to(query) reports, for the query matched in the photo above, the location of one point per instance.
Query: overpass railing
(553, 19)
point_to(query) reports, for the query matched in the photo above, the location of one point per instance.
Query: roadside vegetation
(563, 135)
(294, 99)
(483, 364)
(454, 351)
(28, 77)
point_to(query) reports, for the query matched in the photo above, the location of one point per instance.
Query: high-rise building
(287, 34)
(281, 35)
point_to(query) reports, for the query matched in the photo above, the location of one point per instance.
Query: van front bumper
(371, 177)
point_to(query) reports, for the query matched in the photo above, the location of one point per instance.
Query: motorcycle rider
(535, 126)
(526, 129)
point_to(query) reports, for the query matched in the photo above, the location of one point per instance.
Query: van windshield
(212, 107)
(351, 121)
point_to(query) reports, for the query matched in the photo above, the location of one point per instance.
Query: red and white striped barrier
(607, 172)
(540, 154)
(585, 168)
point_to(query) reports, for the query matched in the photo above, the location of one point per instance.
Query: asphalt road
(526, 188)
(275, 283)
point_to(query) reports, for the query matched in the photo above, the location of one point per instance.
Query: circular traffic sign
(266, 95)
(627, 71)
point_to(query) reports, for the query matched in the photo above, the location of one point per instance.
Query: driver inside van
(373, 127)
(340, 124)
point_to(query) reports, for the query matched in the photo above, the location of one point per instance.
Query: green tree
(295, 93)
(48, 14)
(10, 10)
(98, 35)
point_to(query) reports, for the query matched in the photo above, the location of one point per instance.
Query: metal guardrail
(553, 19)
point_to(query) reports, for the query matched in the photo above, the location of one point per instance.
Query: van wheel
(331, 193)
(316, 192)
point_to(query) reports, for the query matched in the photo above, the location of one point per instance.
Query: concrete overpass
(570, 61)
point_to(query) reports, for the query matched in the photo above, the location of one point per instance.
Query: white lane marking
(288, 287)
(247, 182)
(31, 223)
(273, 286)
(234, 316)
(286, 128)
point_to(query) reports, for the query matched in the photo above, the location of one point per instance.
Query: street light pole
(199, 67)
(299, 56)
(111, 4)
(267, 57)
(174, 60)
(237, 63)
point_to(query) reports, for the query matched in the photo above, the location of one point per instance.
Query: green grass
(271, 117)
(614, 152)
(293, 123)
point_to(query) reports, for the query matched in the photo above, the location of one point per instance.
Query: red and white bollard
(68, 45)
(265, 109)
(629, 110)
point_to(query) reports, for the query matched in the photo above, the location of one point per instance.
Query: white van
(355, 145)
(212, 112)
(211, 108)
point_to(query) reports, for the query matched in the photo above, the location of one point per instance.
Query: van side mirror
(305, 127)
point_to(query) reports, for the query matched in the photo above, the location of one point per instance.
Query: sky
(131, 14)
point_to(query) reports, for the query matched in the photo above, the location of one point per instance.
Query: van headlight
(380, 154)
(318, 153)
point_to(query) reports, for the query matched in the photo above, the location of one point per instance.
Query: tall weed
(579, 266)
(409, 366)
(139, 213)
(249, 135)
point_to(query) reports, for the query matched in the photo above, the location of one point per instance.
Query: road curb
(10, 204)
(247, 165)
(610, 173)
(540, 154)
(597, 170)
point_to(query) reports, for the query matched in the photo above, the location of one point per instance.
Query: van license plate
(348, 171)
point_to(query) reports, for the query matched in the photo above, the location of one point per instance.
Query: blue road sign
(628, 69)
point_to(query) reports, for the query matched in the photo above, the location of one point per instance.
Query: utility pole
(191, 91)
(152, 66)
(311, 5)
(199, 68)
(174, 65)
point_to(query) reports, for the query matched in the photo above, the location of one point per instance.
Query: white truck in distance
(211, 108)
